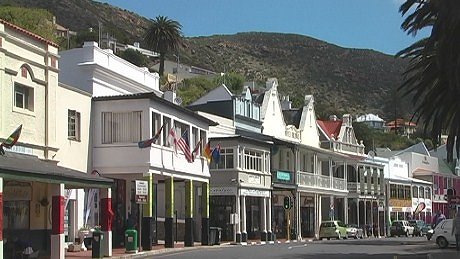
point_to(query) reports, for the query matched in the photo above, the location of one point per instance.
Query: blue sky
(368, 24)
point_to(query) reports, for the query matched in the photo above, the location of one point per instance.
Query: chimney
(286, 104)
(333, 117)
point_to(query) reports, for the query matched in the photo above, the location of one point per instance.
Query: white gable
(271, 113)
(307, 125)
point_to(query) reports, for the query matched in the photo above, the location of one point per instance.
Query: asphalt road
(383, 248)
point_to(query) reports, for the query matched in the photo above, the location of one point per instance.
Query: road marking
(297, 246)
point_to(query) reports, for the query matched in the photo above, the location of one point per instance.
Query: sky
(364, 24)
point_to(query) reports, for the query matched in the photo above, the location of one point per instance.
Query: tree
(135, 57)
(163, 35)
(434, 67)
(38, 21)
(233, 81)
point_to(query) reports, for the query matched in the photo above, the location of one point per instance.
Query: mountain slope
(343, 80)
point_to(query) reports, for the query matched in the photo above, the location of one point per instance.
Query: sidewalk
(118, 253)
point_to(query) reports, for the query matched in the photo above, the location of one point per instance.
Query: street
(384, 248)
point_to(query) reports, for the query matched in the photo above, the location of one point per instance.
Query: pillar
(188, 239)
(269, 219)
(205, 214)
(169, 212)
(106, 220)
(238, 223)
(263, 219)
(244, 234)
(1, 217)
(357, 212)
(298, 218)
(57, 216)
(345, 208)
(148, 220)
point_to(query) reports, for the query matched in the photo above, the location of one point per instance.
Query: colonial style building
(50, 157)
(128, 107)
(240, 180)
(301, 169)
(364, 174)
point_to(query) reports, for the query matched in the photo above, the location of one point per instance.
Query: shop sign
(254, 193)
(215, 191)
(283, 176)
(400, 203)
(254, 179)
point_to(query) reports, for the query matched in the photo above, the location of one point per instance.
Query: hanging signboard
(142, 191)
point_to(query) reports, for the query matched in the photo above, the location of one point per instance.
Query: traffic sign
(142, 191)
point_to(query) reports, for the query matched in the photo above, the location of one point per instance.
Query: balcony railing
(320, 181)
(346, 147)
(354, 187)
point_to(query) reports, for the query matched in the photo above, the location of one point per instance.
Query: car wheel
(442, 242)
(320, 238)
(356, 237)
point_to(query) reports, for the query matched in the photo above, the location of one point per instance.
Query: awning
(22, 167)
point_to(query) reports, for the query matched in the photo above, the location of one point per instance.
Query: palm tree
(432, 77)
(162, 36)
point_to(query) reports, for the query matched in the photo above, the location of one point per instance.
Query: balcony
(348, 148)
(354, 187)
(305, 179)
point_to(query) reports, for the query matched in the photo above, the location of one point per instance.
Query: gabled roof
(219, 93)
(419, 148)
(441, 152)
(292, 117)
(330, 128)
(28, 33)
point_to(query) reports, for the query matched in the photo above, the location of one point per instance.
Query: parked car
(354, 231)
(332, 229)
(420, 227)
(401, 228)
(443, 234)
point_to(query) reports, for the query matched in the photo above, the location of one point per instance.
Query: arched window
(421, 192)
(415, 191)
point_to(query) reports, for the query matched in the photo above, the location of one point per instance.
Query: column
(263, 219)
(188, 239)
(345, 207)
(148, 227)
(106, 219)
(205, 214)
(298, 219)
(57, 216)
(169, 212)
(238, 211)
(357, 210)
(269, 219)
(244, 234)
(1, 217)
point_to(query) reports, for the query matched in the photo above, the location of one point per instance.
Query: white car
(443, 234)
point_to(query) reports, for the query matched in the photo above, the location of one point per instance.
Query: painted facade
(37, 172)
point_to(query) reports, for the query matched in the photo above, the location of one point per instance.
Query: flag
(172, 140)
(11, 140)
(215, 156)
(183, 145)
(207, 151)
(149, 142)
(196, 150)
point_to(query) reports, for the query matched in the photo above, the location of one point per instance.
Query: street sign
(142, 191)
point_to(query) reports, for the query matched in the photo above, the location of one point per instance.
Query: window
(407, 192)
(121, 127)
(400, 191)
(226, 159)
(156, 125)
(427, 193)
(415, 191)
(167, 123)
(393, 191)
(253, 160)
(73, 124)
(23, 97)
(203, 139)
(421, 192)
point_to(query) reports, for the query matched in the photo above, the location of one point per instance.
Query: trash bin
(96, 245)
(131, 241)
(215, 235)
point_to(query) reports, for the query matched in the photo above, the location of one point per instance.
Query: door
(308, 221)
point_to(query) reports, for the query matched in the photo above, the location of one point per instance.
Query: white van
(443, 234)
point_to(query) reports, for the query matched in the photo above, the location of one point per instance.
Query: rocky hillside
(341, 79)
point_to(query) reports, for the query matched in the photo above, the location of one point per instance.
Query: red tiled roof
(28, 33)
(330, 127)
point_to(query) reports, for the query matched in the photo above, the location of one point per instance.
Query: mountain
(342, 80)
